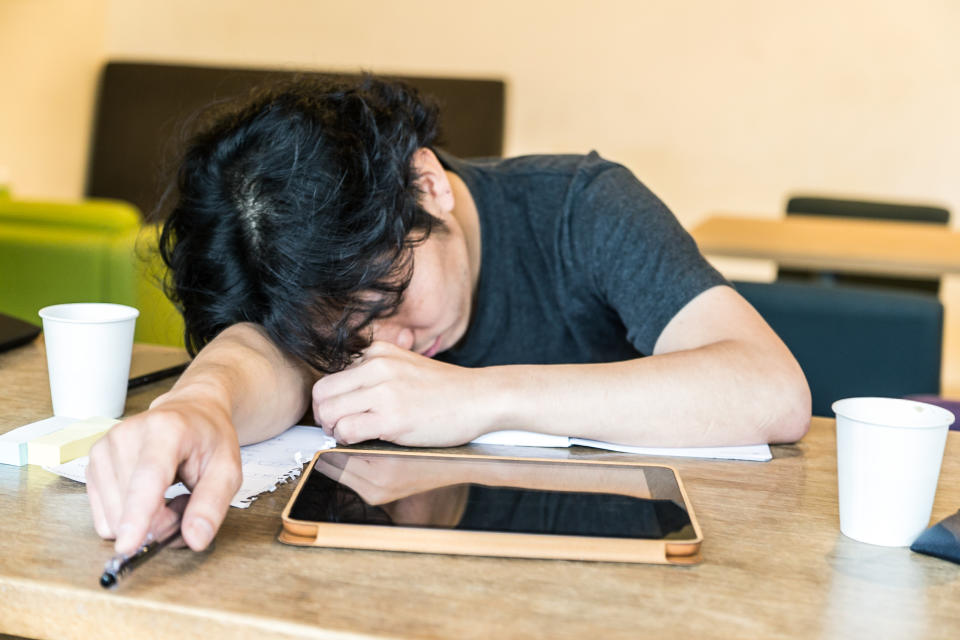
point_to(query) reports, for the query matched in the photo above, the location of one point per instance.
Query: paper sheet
(753, 452)
(272, 462)
(758, 453)
(265, 464)
(523, 439)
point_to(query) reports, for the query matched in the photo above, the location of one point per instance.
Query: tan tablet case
(498, 544)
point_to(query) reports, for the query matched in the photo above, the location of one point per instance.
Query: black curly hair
(299, 211)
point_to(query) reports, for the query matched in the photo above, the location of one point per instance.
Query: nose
(393, 332)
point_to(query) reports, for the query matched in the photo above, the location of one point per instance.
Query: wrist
(494, 399)
(201, 391)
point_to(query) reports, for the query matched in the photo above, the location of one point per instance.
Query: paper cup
(88, 357)
(888, 461)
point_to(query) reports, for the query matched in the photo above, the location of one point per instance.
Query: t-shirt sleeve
(633, 253)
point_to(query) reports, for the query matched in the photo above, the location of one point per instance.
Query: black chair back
(142, 107)
(812, 205)
(867, 209)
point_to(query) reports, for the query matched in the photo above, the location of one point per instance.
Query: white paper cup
(88, 357)
(888, 461)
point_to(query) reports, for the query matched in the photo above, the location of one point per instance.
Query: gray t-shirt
(580, 262)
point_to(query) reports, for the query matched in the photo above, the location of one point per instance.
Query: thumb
(209, 502)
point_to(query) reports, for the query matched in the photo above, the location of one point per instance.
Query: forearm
(263, 390)
(720, 394)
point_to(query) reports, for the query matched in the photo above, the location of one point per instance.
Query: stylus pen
(120, 565)
(153, 376)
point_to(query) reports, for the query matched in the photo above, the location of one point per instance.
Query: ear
(433, 182)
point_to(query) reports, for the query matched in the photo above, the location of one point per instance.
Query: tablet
(457, 503)
(15, 332)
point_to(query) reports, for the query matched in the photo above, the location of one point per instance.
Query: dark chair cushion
(854, 342)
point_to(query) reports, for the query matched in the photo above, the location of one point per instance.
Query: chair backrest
(142, 108)
(867, 209)
(854, 342)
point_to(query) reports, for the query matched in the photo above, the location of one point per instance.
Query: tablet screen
(15, 332)
(495, 495)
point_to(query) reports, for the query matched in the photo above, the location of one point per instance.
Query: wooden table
(841, 244)
(775, 564)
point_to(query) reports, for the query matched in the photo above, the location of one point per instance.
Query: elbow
(793, 424)
(789, 419)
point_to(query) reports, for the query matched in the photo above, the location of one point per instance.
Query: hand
(185, 434)
(401, 396)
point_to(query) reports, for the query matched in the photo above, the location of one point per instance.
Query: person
(326, 254)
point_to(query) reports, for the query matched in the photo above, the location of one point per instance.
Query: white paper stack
(756, 452)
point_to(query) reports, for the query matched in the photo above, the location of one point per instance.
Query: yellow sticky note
(68, 443)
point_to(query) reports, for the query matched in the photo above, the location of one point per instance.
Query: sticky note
(68, 443)
(13, 444)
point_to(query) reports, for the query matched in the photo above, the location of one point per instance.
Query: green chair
(88, 251)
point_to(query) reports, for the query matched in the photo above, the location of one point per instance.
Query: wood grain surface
(842, 244)
(774, 563)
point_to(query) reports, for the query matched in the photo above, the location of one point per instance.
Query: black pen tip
(108, 580)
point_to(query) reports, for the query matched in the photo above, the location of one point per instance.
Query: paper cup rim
(114, 313)
(946, 417)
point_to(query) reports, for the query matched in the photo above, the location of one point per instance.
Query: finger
(209, 501)
(100, 523)
(364, 373)
(329, 411)
(116, 466)
(103, 490)
(376, 348)
(338, 383)
(154, 472)
(169, 518)
(329, 387)
(177, 506)
(380, 348)
(359, 427)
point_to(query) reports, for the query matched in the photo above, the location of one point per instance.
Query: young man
(325, 255)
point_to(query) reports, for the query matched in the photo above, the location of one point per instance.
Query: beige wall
(716, 105)
(50, 51)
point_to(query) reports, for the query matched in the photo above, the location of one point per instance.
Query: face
(435, 310)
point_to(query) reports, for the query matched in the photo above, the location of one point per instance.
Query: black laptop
(15, 332)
